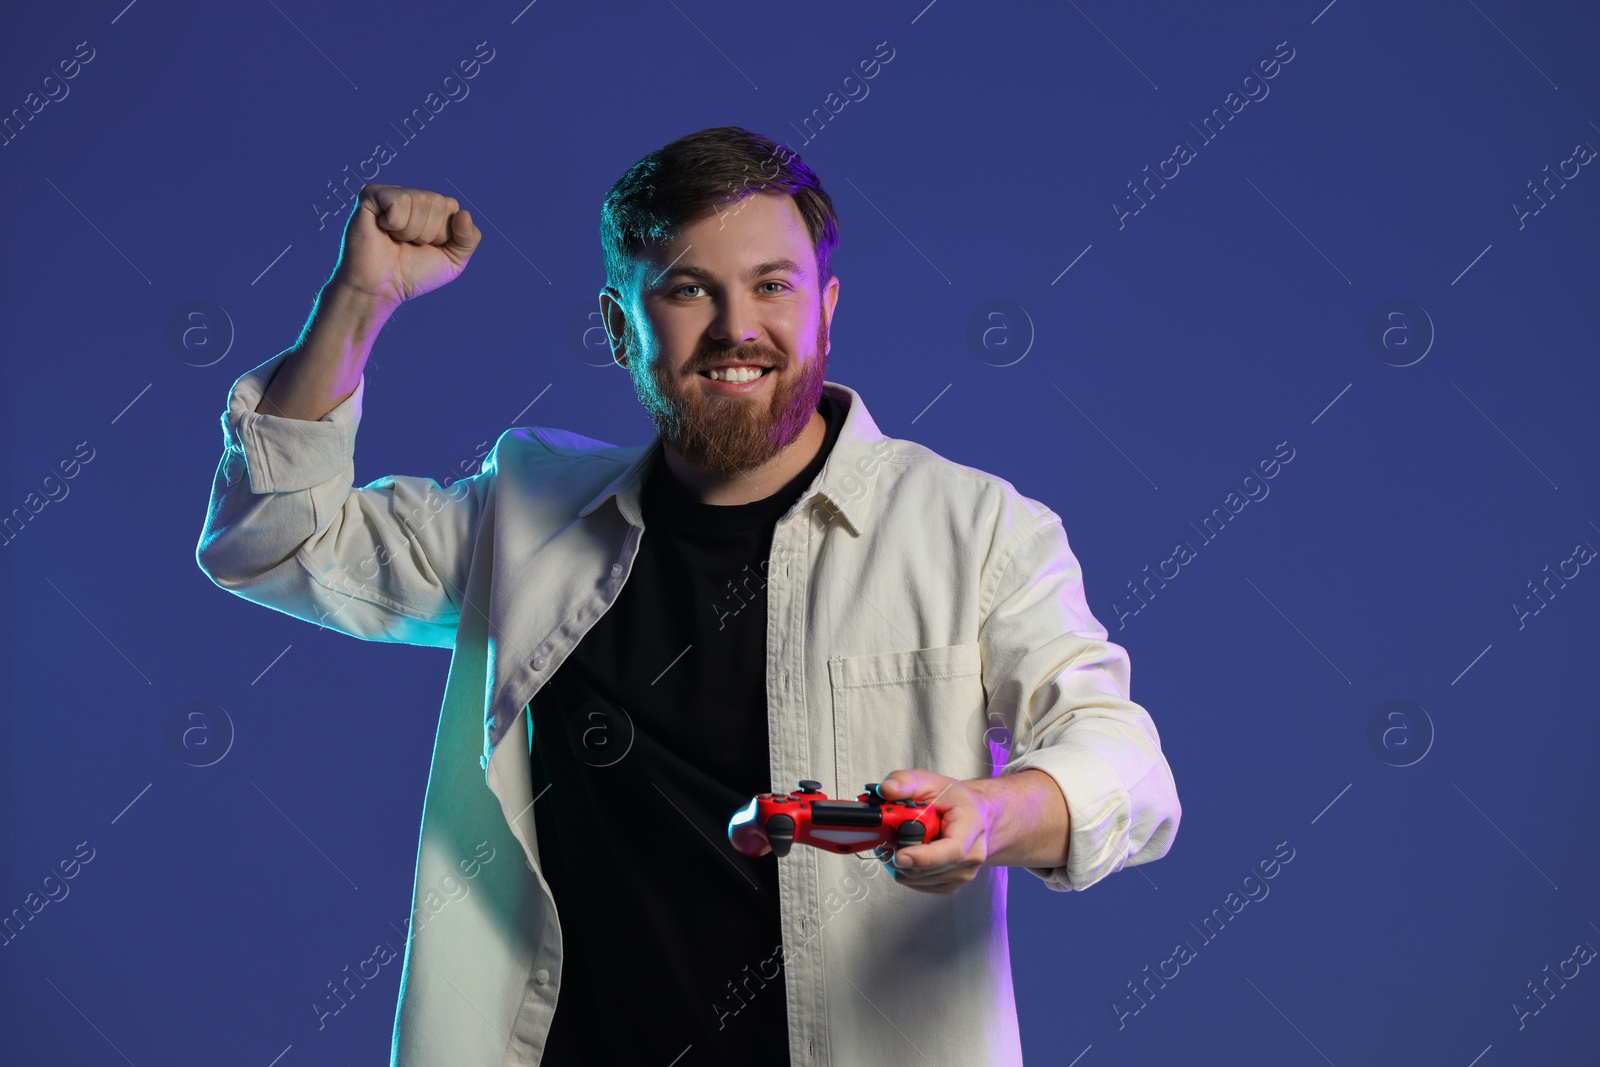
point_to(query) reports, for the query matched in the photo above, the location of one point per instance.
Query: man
(645, 637)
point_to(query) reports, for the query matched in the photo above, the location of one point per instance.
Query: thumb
(900, 784)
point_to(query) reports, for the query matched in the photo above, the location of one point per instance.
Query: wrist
(992, 800)
(353, 314)
(1027, 819)
(340, 293)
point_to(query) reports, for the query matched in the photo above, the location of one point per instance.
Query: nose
(734, 322)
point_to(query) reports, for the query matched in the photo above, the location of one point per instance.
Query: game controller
(810, 818)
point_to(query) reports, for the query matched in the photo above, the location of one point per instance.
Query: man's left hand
(951, 860)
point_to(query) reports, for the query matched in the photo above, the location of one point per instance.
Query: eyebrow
(773, 266)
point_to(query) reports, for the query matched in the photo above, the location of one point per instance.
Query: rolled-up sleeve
(287, 528)
(1061, 689)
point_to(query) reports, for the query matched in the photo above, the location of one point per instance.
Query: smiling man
(739, 346)
(769, 590)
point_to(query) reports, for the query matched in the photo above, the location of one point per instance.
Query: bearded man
(770, 590)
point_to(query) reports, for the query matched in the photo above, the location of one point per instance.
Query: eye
(781, 285)
(679, 291)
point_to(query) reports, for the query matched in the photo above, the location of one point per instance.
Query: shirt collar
(846, 480)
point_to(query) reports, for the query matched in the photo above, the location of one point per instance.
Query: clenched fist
(402, 242)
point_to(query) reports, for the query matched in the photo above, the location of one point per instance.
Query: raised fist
(402, 242)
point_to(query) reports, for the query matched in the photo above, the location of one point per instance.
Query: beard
(728, 435)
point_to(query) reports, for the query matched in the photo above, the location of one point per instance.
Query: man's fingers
(933, 856)
(415, 216)
(430, 213)
(441, 223)
(897, 785)
(947, 850)
(956, 834)
(420, 217)
(438, 231)
(941, 887)
(394, 212)
(443, 234)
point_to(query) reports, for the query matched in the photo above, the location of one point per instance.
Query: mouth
(737, 374)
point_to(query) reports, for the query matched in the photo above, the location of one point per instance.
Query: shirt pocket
(918, 709)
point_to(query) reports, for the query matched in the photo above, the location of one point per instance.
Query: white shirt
(920, 614)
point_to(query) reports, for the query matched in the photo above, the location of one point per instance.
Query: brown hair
(696, 175)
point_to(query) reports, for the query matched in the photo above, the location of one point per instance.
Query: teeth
(734, 374)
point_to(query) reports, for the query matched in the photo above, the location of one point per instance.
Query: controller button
(809, 786)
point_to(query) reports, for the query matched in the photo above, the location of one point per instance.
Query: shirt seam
(1005, 568)
(915, 678)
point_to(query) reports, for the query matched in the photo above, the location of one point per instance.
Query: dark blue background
(1224, 318)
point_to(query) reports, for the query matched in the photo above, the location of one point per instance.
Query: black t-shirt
(650, 736)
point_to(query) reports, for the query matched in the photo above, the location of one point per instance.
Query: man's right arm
(326, 364)
(286, 526)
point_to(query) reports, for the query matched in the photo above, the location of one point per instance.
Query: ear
(830, 297)
(615, 319)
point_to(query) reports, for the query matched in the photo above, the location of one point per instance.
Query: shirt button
(541, 976)
(616, 569)
(538, 663)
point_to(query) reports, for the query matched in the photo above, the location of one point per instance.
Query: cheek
(677, 342)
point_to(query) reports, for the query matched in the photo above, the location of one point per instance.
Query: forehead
(763, 228)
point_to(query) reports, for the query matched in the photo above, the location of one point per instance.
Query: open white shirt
(920, 614)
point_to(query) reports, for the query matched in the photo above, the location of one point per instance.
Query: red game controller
(809, 817)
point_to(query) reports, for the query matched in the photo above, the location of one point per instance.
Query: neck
(757, 483)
